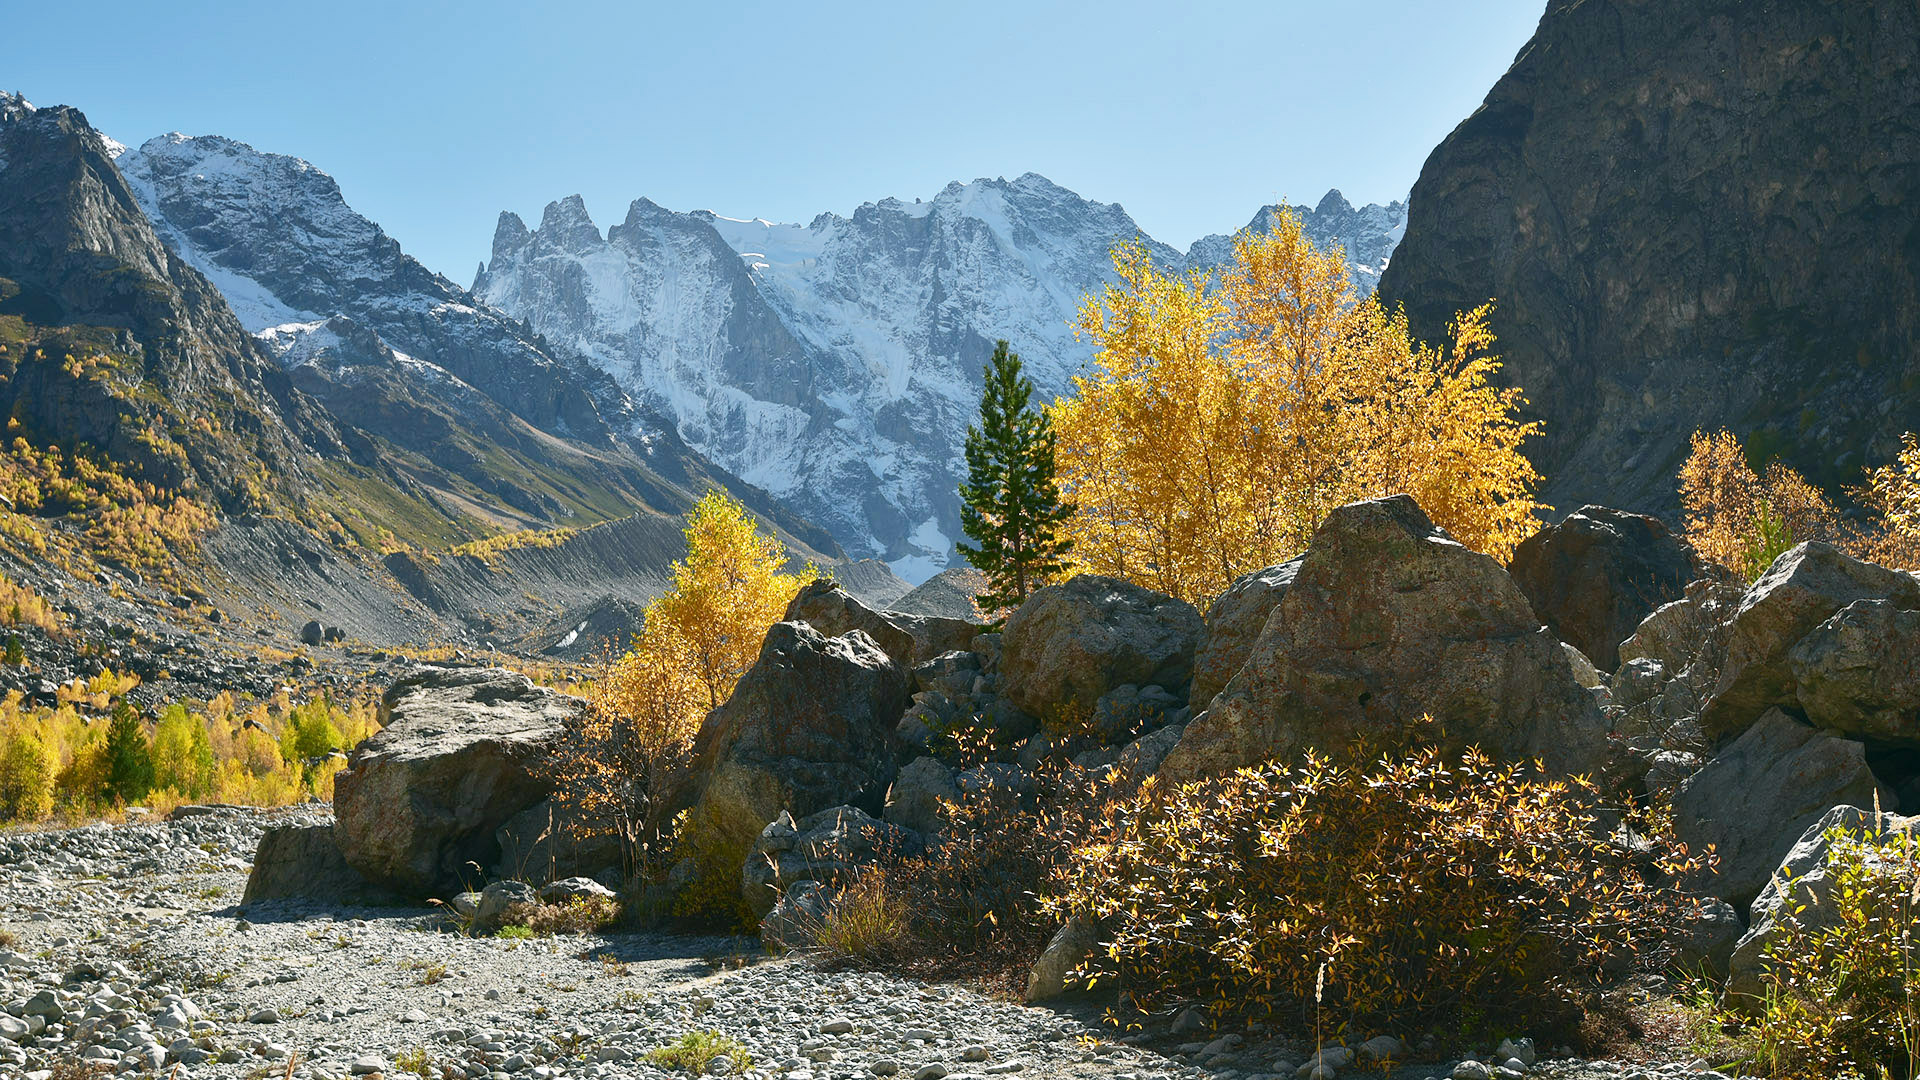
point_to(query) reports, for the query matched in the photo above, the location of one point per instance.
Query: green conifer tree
(129, 756)
(1010, 502)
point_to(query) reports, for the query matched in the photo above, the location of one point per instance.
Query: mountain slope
(1692, 213)
(837, 364)
(469, 405)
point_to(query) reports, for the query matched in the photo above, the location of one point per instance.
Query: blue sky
(435, 117)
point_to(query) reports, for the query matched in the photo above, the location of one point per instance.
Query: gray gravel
(129, 951)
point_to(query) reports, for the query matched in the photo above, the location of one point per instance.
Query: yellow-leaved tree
(1892, 496)
(628, 754)
(1741, 519)
(1222, 418)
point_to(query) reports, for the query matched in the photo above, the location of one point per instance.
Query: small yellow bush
(21, 606)
(1744, 520)
(26, 777)
(1419, 894)
(1891, 495)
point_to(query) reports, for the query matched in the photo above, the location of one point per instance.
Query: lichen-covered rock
(1596, 574)
(1234, 621)
(910, 639)
(1859, 672)
(809, 727)
(1069, 948)
(1390, 619)
(1753, 799)
(463, 751)
(1802, 589)
(1070, 644)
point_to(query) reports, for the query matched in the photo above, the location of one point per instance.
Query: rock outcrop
(1594, 576)
(1390, 619)
(1859, 672)
(1802, 589)
(809, 727)
(1756, 796)
(463, 751)
(1072, 643)
(909, 639)
(1234, 622)
(1693, 213)
(304, 862)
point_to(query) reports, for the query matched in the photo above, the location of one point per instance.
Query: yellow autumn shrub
(1419, 894)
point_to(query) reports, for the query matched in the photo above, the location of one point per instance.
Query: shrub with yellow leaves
(1891, 495)
(1423, 893)
(625, 759)
(1222, 419)
(1744, 520)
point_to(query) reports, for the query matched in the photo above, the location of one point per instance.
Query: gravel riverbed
(128, 952)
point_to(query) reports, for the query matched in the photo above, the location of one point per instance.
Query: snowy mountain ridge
(837, 364)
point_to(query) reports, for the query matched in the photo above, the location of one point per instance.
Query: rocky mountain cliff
(837, 363)
(1692, 214)
(110, 345)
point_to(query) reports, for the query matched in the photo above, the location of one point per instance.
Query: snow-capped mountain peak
(838, 363)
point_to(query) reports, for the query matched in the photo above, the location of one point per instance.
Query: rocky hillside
(1691, 214)
(837, 363)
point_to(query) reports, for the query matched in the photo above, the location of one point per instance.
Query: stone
(1381, 1048)
(1140, 758)
(305, 862)
(908, 638)
(574, 889)
(1859, 672)
(1707, 941)
(1674, 635)
(497, 897)
(1584, 672)
(1071, 643)
(312, 633)
(809, 727)
(1234, 622)
(1129, 710)
(1595, 575)
(1070, 946)
(420, 803)
(914, 800)
(1471, 1070)
(1390, 619)
(826, 847)
(1803, 588)
(1520, 1049)
(1760, 793)
(1800, 889)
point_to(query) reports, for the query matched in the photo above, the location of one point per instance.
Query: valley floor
(128, 949)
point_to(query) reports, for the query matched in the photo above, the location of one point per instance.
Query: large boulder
(1802, 589)
(809, 727)
(1070, 644)
(909, 638)
(1234, 621)
(1859, 672)
(918, 795)
(1800, 890)
(463, 751)
(303, 862)
(550, 841)
(1390, 619)
(1596, 574)
(1756, 796)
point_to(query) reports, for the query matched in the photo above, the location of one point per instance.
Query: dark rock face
(1859, 672)
(304, 862)
(1596, 575)
(1387, 620)
(809, 727)
(1234, 622)
(1691, 213)
(463, 752)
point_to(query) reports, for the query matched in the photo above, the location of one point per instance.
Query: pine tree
(129, 756)
(1010, 503)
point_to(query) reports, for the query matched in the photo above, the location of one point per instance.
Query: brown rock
(1859, 672)
(1594, 576)
(1234, 621)
(910, 639)
(1070, 644)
